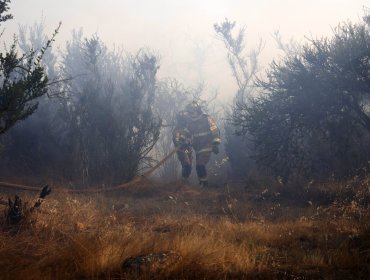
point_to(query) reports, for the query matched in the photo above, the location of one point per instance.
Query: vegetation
(22, 80)
(111, 117)
(104, 114)
(108, 111)
(312, 117)
(228, 234)
(244, 68)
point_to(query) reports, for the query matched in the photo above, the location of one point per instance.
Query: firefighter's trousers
(185, 157)
(202, 158)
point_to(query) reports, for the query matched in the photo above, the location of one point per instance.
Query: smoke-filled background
(276, 76)
(181, 32)
(90, 96)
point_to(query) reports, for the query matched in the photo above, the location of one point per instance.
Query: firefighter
(183, 142)
(206, 138)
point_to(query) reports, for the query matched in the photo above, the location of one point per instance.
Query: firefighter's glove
(183, 145)
(215, 149)
(178, 144)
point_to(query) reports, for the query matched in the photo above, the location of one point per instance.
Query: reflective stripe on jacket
(205, 133)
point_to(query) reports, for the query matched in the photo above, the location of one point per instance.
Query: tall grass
(218, 234)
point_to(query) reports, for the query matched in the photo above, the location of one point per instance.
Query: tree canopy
(312, 117)
(22, 80)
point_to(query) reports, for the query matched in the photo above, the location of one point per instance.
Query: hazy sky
(181, 31)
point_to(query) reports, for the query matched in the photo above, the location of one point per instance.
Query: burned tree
(244, 68)
(18, 211)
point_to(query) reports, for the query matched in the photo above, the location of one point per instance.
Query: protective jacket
(206, 136)
(205, 133)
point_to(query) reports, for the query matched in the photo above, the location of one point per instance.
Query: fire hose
(134, 181)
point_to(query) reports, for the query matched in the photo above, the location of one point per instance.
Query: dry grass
(219, 234)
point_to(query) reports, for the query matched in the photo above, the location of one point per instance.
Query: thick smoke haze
(185, 139)
(181, 32)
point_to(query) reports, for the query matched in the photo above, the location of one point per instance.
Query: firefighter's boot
(202, 175)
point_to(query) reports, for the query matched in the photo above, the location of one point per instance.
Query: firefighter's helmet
(193, 108)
